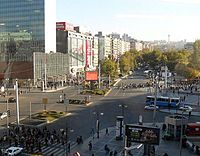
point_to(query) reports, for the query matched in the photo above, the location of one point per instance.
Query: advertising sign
(91, 75)
(64, 26)
(60, 26)
(142, 134)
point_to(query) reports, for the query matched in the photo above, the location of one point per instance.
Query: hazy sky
(142, 19)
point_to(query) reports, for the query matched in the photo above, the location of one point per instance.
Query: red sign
(60, 26)
(64, 26)
(91, 75)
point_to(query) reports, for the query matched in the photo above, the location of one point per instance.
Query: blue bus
(162, 101)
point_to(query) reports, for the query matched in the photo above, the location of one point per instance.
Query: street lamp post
(45, 72)
(29, 84)
(155, 99)
(17, 102)
(7, 117)
(7, 83)
(98, 122)
(66, 134)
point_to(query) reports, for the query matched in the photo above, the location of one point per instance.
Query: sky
(145, 20)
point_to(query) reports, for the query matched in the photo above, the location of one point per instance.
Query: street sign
(142, 134)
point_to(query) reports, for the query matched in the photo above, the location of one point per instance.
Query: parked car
(12, 151)
(186, 108)
(3, 115)
(11, 99)
(151, 107)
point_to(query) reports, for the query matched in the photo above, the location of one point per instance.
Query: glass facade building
(26, 26)
(22, 26)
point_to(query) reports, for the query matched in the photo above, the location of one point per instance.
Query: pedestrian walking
(90, 146)
(165, 154)
(107, 131)
(190, 112)
(69, 147)
(115, 153)
(106, 148)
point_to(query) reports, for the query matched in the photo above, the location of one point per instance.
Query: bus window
(148, 99)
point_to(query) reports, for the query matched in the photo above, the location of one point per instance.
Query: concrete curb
(59, 89)
(185, 113)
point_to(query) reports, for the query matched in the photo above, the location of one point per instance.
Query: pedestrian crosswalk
(56, 149)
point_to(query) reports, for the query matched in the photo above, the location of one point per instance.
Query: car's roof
(13, 148)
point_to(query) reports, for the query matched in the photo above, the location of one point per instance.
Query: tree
(126, 62)
(195, 58)
(109, 67)
(153, 58)
(176, 57)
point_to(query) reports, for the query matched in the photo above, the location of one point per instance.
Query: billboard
(91, 75)
(64, 26)
(142, 134)
(60, 26)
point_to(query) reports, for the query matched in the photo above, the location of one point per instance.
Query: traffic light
(8, 111)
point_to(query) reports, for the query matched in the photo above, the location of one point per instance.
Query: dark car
(11, 99)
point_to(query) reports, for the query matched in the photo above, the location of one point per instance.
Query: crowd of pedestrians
(33, 138)
(134, 85)
(189, 86)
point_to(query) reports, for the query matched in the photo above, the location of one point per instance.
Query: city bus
(162, 101)
(193, 129)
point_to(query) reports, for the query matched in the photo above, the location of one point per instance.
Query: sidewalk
(170, 147)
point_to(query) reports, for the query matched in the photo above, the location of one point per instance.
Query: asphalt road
(83, 118)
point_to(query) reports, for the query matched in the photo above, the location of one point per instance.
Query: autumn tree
(195, 57)
(109, 67)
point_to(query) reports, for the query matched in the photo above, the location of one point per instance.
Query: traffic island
(95, 92)
(48, 116)
(42, 118)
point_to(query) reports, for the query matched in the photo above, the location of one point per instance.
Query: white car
(3, 115)
(12, 151)
(151, 107)
(147, 71)
(186, 108)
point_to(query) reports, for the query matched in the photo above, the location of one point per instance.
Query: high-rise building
(27, 26)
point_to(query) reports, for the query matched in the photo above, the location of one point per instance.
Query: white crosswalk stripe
(55, 149)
